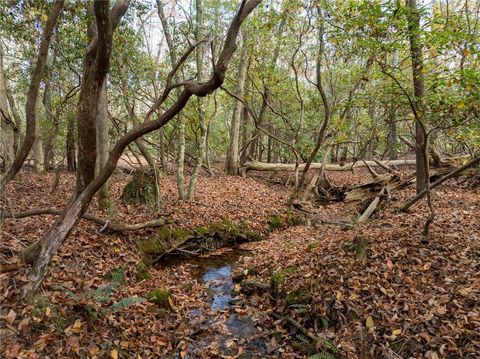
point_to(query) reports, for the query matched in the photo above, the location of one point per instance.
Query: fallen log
(290, 167)
(106, 224)
(438, 182)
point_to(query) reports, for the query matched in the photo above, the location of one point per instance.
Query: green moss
(298, 297)
(253, 236)
(202, 231)
(160, 297)
(225, 230)
(311, 246)
(179, 235)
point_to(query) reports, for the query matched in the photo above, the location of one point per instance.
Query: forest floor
(374, 291)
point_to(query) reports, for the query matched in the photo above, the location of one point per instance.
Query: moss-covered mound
(141, 189)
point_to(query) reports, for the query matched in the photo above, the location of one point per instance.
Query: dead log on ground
(290, 167)
(452, 174)
(106, 224)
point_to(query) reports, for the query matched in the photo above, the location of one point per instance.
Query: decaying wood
(106, 224)
(369, 211)
(290, 167)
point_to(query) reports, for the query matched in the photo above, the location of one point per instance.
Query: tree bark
(7, 125)
(419, 92)
(233, 162)
(200, 103)
(38, 154)
(180, 163)
(61, 229)
(70, 144)
(95, 68)
(30, 107)
(103, 141)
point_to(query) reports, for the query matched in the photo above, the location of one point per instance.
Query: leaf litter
(401, 298)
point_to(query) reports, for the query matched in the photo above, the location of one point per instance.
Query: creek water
(231, 332)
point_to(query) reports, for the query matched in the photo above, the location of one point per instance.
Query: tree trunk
(180, 170)
(70, 145)
(181, 157)
(419, 93)
(38, 155)
(326, 106)
(103, 141)
(7, 125)
(63, 226)
(233, 161)
(200, 54)
(257, 135)
(30, 107)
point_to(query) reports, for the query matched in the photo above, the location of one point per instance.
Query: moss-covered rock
(165, 239)
(160, 297)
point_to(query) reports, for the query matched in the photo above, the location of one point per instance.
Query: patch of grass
(294, 219)
(278, 278)
(275, 222)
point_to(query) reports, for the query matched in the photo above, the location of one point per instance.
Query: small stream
(232, 331)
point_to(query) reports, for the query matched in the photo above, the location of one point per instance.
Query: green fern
(327, 343)
(305, 341)
(117, 276)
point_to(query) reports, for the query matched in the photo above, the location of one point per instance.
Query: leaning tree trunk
(233, 161)
(63, 226)
(30, 110)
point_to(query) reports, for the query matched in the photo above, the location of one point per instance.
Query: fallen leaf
(11, 316)
(370, 323)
